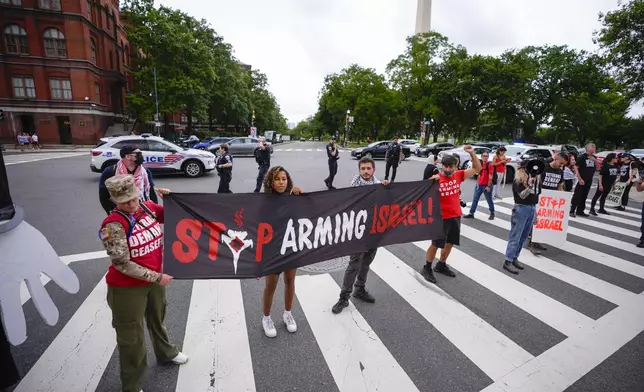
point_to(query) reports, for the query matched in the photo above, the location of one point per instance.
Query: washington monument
(424, 16)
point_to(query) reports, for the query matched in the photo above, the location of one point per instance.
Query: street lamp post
(157, 124)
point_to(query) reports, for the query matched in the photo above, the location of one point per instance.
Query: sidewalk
(49, 148)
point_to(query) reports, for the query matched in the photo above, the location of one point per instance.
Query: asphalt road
(573, 320)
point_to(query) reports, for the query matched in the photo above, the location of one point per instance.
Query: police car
(159, 155)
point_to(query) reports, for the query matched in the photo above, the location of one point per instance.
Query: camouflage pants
(131, 306)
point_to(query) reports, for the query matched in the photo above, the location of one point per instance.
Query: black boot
(517, 264)
(364, 295)
(427, 273)
(508, 266)
(341, 304)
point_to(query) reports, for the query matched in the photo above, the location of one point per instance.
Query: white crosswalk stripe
(362, 348)
(40, 156)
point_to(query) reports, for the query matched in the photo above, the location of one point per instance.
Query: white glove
(26, 254)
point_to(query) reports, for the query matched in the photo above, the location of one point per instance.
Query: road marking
(27, 158)
(77, 358)
(564, 364)
(576, 278)
(309, 149)
(587, 253)
(625, 246)
(24, 292)
(279, 149)
(356, 357)
(550, 311)
(289, 149)
(490, 350)
(216, 340)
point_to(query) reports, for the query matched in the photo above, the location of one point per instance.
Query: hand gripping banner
(237, 236)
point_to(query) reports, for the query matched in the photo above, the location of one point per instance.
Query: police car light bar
(146, 134)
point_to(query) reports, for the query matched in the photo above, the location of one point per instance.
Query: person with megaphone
(526, 190)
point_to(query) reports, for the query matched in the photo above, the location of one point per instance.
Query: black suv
(377, 150)
(433, 148)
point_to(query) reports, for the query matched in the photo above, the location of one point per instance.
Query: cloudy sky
(297, 42)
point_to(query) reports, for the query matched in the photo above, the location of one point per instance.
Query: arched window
(15, 39)
(55, 43)
(92, 48)
(49, 4)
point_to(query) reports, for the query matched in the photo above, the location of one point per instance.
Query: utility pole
(157, 122)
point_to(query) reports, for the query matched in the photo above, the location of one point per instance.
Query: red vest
(145, 244)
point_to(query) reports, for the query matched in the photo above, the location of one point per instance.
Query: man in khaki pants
(133, 238)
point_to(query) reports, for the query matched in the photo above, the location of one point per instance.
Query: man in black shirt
(263, 159)
(332, 154)
(393, 157)
(431, 169)
(225, 164)
(586, 167)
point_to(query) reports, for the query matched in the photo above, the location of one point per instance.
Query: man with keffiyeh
(131, 163)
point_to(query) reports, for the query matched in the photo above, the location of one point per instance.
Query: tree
(622, 39)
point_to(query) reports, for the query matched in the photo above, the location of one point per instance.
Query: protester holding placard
(526, 190)
(278, 182)
(450, 180)
(586, 167)
(607, 177)
(356, 274)
(628, 175)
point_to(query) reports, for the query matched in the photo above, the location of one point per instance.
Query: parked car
(159, 155)
(208, 142)
(574, 150)
(463, 156)
(433, 148)
(520, 152)
(638, 153)
(239, 146)
(412, 144)
(377, 150)
(490, 145)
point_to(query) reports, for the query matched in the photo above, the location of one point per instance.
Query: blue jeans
(521, 225)
(478, 191)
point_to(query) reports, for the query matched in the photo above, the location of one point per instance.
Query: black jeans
(9, 374)
(224, 181)
(601, 196)
(388, 166)
(578, 204)
(356, 272)
(333, 170)
(568, 185)
(260, 177)
(625, 195)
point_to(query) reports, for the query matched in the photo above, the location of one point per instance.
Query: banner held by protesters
(240, 236)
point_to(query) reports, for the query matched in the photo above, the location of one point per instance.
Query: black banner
(250, 235)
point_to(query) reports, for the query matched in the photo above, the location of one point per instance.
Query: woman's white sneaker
(269, 327)
(291, 326)
(180, 359)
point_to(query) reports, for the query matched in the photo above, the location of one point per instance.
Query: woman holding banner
(133, 239)
(278, 182)
(526, 190)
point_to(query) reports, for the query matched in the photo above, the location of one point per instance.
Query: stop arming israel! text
(551, 225)
(236, 236)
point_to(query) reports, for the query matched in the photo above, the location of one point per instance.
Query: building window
(23, 87)
(89, 9)
(60, 88)
(92, 48)
(49, 4)
(12, 2)
(15, 39)
(55, 43)
(97, 92)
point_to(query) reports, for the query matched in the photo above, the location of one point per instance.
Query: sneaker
(180, 359)
(468, 216)
(491, 216)
(582, 214)
(602, 211)
(331, 187)
(620, 208)
(427, 273)
(291, 326)
(341, 304)
(592, 212)
(364, 295)
(443, 268)
(497, 197)
(463, 204)
(510, 268)
(517, 264)
(572, 215)
(269, 327)
(539, 246)
(641, 244)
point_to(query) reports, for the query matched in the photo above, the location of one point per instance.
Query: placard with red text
(551, 224)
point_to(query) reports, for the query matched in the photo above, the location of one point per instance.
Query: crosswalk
(38, 156)
(547, 329)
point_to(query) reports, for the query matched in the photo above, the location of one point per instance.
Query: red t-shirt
(485, 173)
(450, 188)
(500, 168)
(145, 243)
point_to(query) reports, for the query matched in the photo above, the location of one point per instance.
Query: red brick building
(63, 65)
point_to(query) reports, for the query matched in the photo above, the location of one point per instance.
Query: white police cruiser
(159, 155)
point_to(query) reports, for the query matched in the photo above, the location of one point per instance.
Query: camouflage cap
(122, 188)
